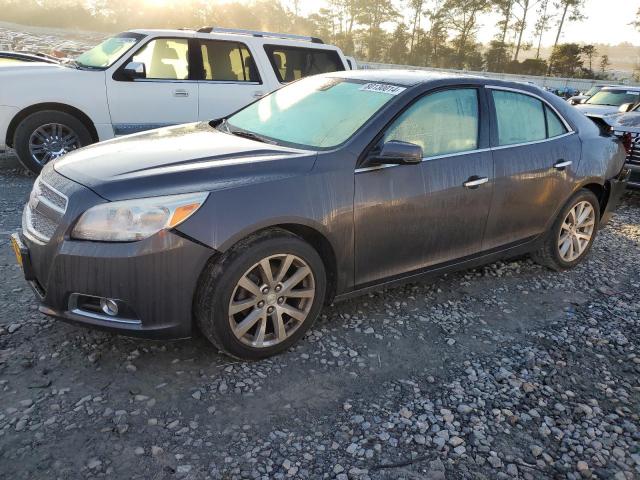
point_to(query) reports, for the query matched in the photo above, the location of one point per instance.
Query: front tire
(261, 296)
(572, 234)
(46, 135)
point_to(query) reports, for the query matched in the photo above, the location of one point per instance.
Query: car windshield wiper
(249, 135)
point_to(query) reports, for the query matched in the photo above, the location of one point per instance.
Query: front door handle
(562, 164)
(475, 181)
(258, 94)
(180, 93)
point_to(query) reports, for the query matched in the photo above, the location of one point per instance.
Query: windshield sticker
(382, 88)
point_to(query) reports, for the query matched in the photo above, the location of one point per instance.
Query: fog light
(109, 306)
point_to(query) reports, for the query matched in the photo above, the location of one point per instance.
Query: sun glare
(158, 3)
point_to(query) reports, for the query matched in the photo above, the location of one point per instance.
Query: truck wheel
(261, 296)
(46, 135)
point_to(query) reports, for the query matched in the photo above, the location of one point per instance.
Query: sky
(607, 22)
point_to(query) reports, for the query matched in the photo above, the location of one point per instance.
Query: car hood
(24, 66)
(624, 122)
(185, 158)
(596, 110)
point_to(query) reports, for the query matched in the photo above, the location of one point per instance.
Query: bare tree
(572, 9)
(542, 24)
(417, 6)
(521, 25)
(463, 19)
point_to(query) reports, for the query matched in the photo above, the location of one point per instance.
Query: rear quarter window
(294, 63)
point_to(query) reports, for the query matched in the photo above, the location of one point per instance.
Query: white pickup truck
(144, 79)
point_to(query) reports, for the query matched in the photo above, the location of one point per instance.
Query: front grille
(633, 157)
(43, 212)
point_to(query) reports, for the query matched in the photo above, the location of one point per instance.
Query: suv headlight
(132, 220)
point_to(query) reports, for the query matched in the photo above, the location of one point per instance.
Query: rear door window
(227, 62)
(554, 124)
(294, 63)
(521, 118)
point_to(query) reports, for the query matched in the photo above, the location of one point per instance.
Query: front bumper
(617, 186)
(155, 279)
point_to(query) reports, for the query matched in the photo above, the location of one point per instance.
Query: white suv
(146, 79)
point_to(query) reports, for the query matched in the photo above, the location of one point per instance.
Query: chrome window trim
(424, 159)
(538, 97)
(570, 131)
(533, 142)
(229, 82)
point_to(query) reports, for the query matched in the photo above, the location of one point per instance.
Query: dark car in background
(626, 126)
(610, 101)
(327, 188)
(584, 96)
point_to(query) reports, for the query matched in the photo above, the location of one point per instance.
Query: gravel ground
(508, 371)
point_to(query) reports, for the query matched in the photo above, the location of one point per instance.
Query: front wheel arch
(61, 107)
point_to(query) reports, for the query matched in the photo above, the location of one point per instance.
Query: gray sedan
(335, 185)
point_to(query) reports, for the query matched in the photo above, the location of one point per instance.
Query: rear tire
(46, 135)
(248, 307)
(570, 238)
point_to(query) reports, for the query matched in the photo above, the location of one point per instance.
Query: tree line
(434, 33)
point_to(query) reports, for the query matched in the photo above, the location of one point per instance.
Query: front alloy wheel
(271, 300)
(46, 135)
(51, 141)
(262, 295)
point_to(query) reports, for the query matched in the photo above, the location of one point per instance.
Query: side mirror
(397, 152)
(625, 107)
(135, 70)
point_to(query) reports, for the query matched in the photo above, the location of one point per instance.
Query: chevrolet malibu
(332, 186)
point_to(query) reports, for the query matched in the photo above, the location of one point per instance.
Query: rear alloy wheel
(261, 296)
(572, 234)
(576, 231)
(47, 135)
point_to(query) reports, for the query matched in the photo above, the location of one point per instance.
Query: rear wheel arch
(601, 191)
(61, 107)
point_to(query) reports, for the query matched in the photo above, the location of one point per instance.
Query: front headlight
(131, 220)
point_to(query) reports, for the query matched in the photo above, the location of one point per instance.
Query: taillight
(627, 141)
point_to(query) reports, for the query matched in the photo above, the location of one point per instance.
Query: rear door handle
(180, 93)
(475, 181)
(258, 94)
(562, 164)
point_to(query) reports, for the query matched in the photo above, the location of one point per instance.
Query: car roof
(403, 77)
(238, 35)
(410, 78)
(622, 87)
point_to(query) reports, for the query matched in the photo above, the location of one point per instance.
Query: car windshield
(106, 53)
(592, 91)
(614, 98)
(317, 112)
